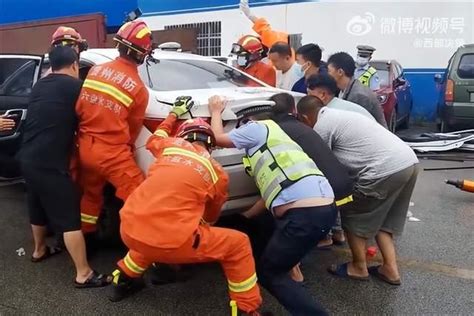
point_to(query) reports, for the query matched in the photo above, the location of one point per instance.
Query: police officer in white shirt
(288, 71)
(366, 74)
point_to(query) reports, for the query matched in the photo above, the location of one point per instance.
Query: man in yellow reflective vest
(366, 74)
(294, 190)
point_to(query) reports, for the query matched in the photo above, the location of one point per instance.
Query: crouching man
(166, 218)
(294, 190)
(385, 170)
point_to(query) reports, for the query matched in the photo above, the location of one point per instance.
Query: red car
(394, 93)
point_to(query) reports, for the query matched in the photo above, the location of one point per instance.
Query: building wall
(421, 35)
(16, 11)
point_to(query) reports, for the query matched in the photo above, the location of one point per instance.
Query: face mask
(299, 70)
(302, 70)
(242, 61)
(362, 61)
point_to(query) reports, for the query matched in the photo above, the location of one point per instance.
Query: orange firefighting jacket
(268, 36)
(263, 72)
(112, 103)
(184, 188)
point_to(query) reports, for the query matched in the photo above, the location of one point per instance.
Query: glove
(182, 105)
(244, 7)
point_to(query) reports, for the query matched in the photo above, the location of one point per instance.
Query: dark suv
(456, 100)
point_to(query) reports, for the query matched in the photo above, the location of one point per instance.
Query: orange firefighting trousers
(230, 247)
(101, 163)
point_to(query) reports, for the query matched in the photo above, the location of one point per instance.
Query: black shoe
(161, 274)
(124, 286)
(257, 312)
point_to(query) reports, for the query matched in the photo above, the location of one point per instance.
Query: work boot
(161, 274)
(235, 311)
(124, 286)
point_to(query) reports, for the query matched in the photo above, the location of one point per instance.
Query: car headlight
(382, 98)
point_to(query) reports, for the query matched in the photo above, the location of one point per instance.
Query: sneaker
(124, 286)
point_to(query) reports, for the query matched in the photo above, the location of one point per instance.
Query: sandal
(341, 271)
(374, 271)
(95, 280)
(50, 251)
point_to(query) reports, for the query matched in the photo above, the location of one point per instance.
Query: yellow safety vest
(367, 75)
(279, 163)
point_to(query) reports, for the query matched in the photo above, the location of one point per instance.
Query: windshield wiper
(150, 59)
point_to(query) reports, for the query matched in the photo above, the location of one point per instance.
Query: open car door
(18, 74)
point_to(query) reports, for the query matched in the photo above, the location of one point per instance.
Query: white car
(172, 74)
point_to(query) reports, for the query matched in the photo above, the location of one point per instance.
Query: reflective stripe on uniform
(187, 153)
(161, 133)
(244, 286)
(110, 90)
(132, 266)
(345, 200)
(116, 275)
(367, 75)
(85, 218)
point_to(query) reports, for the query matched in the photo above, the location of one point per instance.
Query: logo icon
(360, 25)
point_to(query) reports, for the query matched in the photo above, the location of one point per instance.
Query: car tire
(406, 122)
(109, 220)
(445, 127)
(392, 123)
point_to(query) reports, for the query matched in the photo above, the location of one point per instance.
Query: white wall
(421, 34)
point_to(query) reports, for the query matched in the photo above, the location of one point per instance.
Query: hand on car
(216, 104)
(182, 105)
(6, 124)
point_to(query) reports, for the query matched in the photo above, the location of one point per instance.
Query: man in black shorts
(44, 159)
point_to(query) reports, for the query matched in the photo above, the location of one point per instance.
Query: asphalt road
(436, 258)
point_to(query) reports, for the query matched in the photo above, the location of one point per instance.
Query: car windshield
(17, 76)
(188, 74)
(466, 67)
(384, 77)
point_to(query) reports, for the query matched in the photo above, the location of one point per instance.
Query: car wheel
(392, 123)
(406, 121)
(445, 127)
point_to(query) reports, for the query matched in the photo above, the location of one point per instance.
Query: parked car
(456, 85)
(170, 75)
(394, 93)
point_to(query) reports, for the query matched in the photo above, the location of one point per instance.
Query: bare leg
(76, 246)
(296, 274)
(387, 249)
(358, 266)
(39, 237)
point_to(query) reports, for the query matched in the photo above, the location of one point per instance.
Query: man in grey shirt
(324, 87)
(385, 171)
(341, 67)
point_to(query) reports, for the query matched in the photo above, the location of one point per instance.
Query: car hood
(161, 101)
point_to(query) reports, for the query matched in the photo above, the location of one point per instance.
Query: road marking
(436, 267)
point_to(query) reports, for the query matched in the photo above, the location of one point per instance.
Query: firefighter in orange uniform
(167, 219)
(111, 109)
(250, 52)
(267, 35)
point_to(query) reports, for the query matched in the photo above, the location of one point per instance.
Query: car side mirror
(438, 78)
(399, 82)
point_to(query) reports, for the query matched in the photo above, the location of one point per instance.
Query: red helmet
(135, 35)
(248, 44)
(197, 129)
(65, 35)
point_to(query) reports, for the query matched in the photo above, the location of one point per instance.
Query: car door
(18, 74)
(401, 87)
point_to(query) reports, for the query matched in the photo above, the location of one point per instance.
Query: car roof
(466, 47)
(112, 53)
(381, 63)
